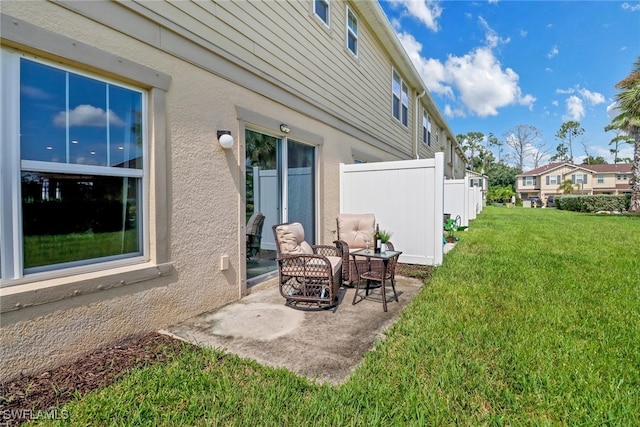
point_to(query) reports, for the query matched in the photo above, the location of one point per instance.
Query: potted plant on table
(385, 236)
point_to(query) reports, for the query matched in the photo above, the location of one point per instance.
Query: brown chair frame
(349, 267)
(308, 278)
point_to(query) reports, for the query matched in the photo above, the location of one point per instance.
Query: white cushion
(291, 238)
(356, 229)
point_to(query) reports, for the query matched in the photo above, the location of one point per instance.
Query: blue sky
(492, 65)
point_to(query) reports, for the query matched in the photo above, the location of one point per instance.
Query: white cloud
(87, 115)
(426, 11)
(627, 6)
(575, 103)
(34, 92)
(432, 71)
(575, 109)
(478, 76)
(612, 110)
(594, 98)
(553, 52)
(523, 33)
(449, 111)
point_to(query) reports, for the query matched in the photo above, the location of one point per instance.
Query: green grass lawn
(49, 250)
(533, 319)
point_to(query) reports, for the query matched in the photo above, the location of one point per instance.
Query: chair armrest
(301, 264)
(327, 250)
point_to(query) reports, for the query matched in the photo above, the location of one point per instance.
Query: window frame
(399, 98)
(350, 33)
(327, 4)
(528, 181)
(12, 243)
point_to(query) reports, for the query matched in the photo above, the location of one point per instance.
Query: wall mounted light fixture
(285, 128)
(225, 139)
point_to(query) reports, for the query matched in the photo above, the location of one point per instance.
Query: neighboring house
(477, 179)
(545, 181)
(121, 212)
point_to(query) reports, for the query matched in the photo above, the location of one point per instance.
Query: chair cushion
(291, 239)
(356, 229)
(314, 267)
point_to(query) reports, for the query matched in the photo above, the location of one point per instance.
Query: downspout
(416, 136)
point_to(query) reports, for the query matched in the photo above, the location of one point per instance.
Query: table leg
(355, 293)
(384, 274)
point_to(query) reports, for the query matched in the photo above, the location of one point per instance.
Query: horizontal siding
(285, 41)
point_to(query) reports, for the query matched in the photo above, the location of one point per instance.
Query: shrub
(500, 194)
(593, 203)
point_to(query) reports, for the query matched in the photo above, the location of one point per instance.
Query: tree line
(502, 159)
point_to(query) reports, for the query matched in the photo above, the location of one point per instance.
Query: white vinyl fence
(407, 199)
(458, 199)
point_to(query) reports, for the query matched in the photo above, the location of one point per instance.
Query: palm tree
(629, 121)
(566, 187)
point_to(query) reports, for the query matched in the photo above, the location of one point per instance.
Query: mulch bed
(27, 397)
(21, 399)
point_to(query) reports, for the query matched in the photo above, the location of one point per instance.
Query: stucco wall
(204, 190)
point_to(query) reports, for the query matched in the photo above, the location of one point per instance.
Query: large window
(529, 180)
(400, 99)
(321, 9)
(73, 188)
(352, 32)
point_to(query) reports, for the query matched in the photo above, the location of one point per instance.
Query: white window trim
(349, 31)
(404, 93)
(315, 13)
(12, 246)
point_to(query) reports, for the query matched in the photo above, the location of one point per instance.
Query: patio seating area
(321, 344)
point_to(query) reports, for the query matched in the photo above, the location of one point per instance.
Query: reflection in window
(69, 118)
(321, 8)
(352, 32)
(81, 169)
(69, 218)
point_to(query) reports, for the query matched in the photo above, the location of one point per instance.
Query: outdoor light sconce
(285, 128)
(225, 139)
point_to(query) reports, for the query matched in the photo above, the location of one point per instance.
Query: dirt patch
(37, 396)
(422, 272)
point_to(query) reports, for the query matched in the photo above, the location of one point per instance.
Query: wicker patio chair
(254, 234)
(353, 232)
(307, 273)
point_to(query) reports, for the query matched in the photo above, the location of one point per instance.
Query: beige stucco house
(545, 181)
(122, 212)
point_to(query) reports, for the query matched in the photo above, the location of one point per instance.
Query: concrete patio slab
(322, 344)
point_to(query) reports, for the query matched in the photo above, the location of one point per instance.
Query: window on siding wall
(405, 105)
(437, 135)
(321, 9)
(426, 129)
(579, 178)
(600, 179)
(553, 179)
(529, 180)
(75, 171)
(400, 99)
(352, 32)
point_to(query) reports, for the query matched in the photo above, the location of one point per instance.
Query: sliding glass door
(280, 187)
